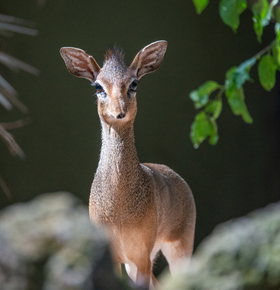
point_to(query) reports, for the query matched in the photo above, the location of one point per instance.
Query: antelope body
(145, 207)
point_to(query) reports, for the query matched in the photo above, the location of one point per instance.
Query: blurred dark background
(62, 143)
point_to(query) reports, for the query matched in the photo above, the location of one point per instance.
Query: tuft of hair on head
(115, 54)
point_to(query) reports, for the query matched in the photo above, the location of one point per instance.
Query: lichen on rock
(241, 254)
(48, 243)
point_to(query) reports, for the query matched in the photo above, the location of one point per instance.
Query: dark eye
(98, 88)
(133, 87)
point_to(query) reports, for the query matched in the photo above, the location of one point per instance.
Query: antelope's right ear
(149, 58)
(79, 63)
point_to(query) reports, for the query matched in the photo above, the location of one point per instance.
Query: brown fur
(145, 207)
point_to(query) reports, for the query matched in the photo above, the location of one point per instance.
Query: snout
(121, 115)
(118, 116)
(117, 109)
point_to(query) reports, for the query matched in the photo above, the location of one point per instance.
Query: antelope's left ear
(149, 58)
(79, 63)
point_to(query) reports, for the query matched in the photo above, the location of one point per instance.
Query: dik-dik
(145, 207)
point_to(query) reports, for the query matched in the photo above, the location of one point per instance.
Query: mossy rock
(241, 254)
(48, 243)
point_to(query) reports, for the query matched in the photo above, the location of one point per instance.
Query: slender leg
(154, 282)
(132, 271)
(178, 255)
(144, 273)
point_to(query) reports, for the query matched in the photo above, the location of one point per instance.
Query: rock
(240, 254)
(49, 243)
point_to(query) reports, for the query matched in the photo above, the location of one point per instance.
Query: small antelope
(145, 207)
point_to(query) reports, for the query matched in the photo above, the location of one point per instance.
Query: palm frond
(11, 143)
(18, 29)
(5, 103)
(5, 188)
(8, 95)
(16, 64)
(16, 20)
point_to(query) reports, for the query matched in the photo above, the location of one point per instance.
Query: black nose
(121, 116)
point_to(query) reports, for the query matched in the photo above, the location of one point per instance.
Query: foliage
(8, 95)
(210, 103)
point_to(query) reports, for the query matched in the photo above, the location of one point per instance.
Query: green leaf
(277, 29)
(276, 48)
(214, 108)
(236, 101)
(203, 100)
(200, 5)
(230, 77)
(277, 14)
(230, 11)
(214, 137)
(201, 128)
(194, 96)
(241, 74)
(201, 96)
(204, 127)
(208, 87)
(267, 71)
(237, 76)
(199, 100)
(213, 140)
(261, 16)
(235, 95)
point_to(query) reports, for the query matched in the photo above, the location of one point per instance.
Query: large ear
(79, 63)
(149, 58)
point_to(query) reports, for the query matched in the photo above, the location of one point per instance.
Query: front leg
(138, 260)
(144, 277)
(140, 272)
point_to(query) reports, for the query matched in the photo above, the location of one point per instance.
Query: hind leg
(178, 253)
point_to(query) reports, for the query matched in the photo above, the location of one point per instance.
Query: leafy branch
(210, 104)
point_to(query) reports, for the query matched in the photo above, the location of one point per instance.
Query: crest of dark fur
(115, 55)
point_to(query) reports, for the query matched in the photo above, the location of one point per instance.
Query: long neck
(118, 156)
